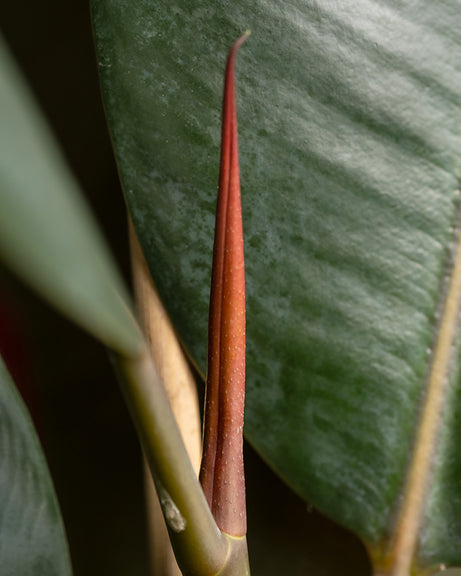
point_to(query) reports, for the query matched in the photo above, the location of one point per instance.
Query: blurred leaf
(32, 538)
(350, 144)
(47, 235)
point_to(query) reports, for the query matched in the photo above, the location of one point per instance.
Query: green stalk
(200, 548)
(238, 562)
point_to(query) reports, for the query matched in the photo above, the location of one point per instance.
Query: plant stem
(162, 561)
(180, 386)
(238, 563)
(200, 548)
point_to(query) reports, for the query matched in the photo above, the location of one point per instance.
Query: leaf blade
(351, 168)
(47, 235)
(32, 537)
(401, 552)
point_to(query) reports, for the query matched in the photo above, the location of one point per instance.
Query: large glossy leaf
(32, 538)
(47, 234)
(350, 144)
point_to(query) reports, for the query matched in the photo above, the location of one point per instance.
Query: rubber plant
(95, 297)
(351, 171)
(350, 127)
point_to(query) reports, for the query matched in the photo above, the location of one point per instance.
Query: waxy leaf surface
(32, 538)
(47, 234)
(350, 157)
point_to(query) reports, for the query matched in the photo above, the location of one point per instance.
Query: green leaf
(47, 235)
(32, 538)
(350, 152)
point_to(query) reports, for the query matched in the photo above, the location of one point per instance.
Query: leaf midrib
(401, 555)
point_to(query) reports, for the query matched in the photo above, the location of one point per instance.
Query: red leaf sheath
(222, 474)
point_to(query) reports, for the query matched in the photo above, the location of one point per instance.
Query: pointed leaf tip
(222, 473)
